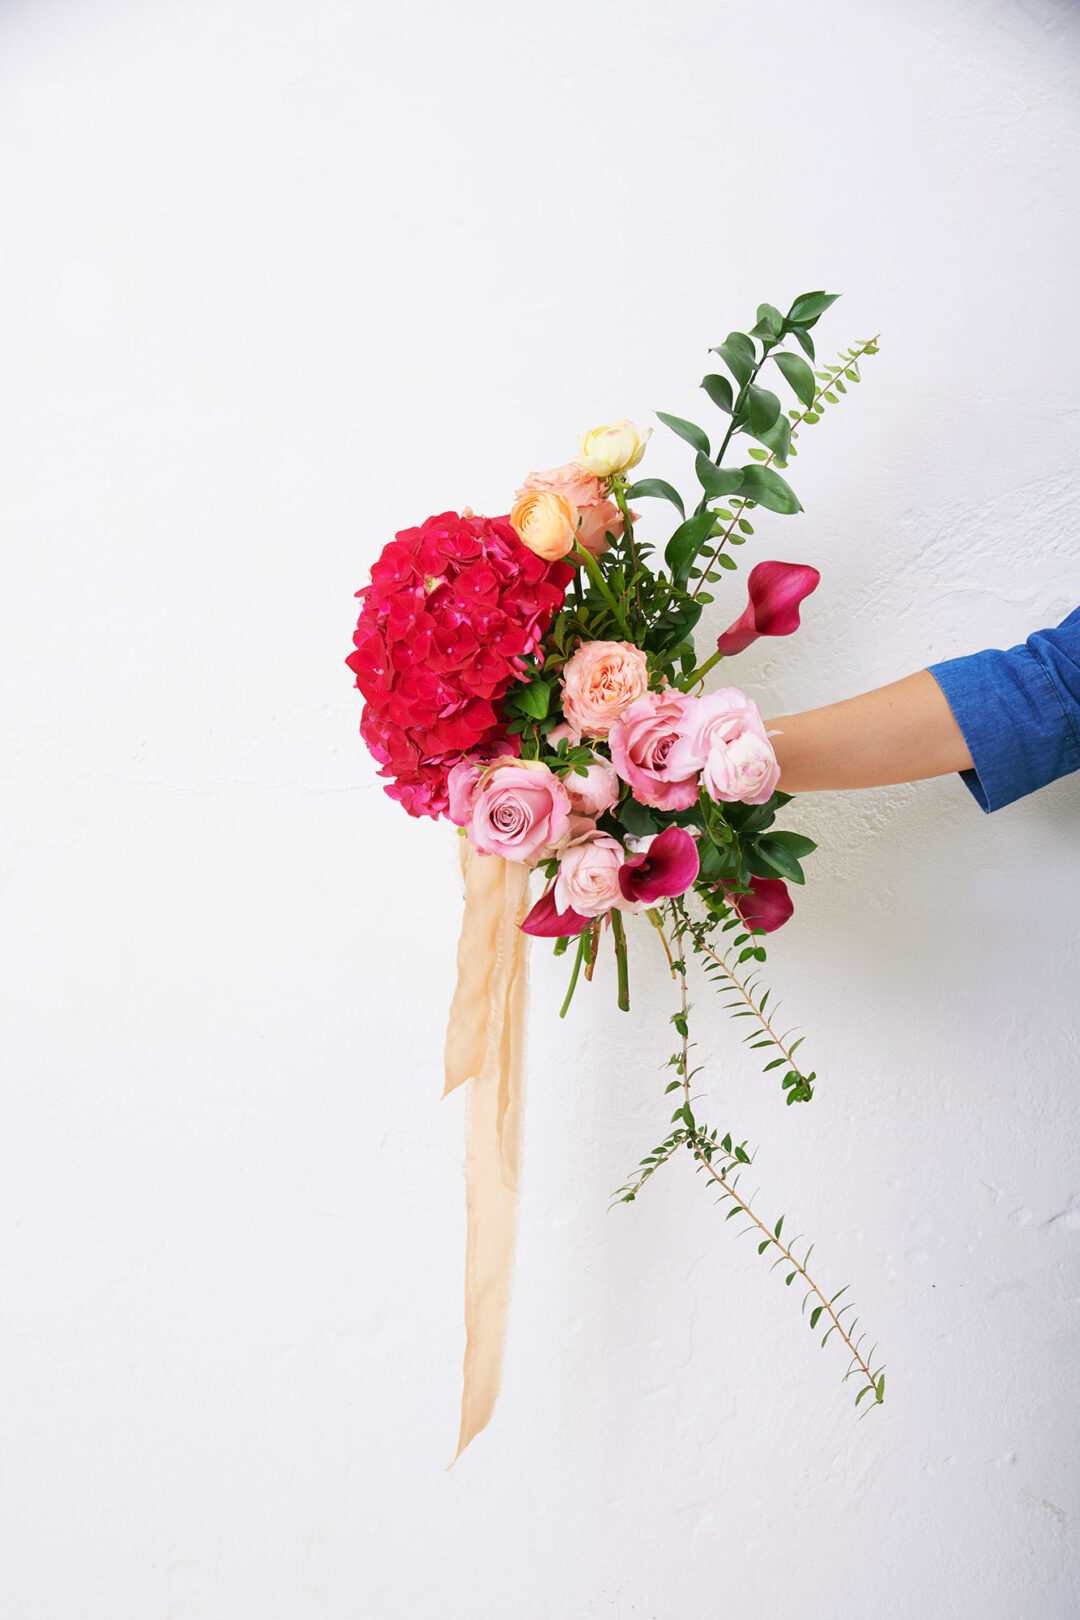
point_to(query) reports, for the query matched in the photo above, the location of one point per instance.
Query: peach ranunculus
(597, 516)
(520, 809)
(545, 521)
(614, 448)
(601, 680)
(588, 877)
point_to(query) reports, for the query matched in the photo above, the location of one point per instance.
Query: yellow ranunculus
(546, 522)
(611, 449)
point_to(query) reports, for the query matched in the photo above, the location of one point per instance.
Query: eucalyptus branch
(799, 1086)
(705, 1147)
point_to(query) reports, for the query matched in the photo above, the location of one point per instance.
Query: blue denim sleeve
(1019, 712)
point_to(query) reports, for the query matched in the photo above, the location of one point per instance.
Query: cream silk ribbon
(485, 1044)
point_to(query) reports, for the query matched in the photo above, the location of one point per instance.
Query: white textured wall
(280, 276)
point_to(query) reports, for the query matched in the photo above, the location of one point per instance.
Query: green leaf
(804, 340)
(798, 374)
(686, 430)
(777, 438)
(809, 307)
(685, 543)
(765, 486)
(739, 355)
(770, 322)
(714, 480)
(779, 858)
(795, 842)
(719, 391)
(533, 700)
(815, 1316)
(656, 486)
(637, 818)
(763, 408)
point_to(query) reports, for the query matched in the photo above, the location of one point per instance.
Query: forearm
(899, 733)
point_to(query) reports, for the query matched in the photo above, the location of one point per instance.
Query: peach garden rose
(601, 680)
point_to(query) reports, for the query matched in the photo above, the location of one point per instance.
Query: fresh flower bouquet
(534, 678)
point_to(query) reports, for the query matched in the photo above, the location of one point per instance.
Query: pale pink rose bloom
(596, 791)
(563, 729)
(724, 737)
(588, 876)
(585, 492)
(520, 809)
(601, 680)
(643, 744)
(718, 718)
(461, 785)
(743, 770)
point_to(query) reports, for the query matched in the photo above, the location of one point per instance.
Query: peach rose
(588, 876)
(614, 448)
(546, 522)
(601, 680)
(597, 516)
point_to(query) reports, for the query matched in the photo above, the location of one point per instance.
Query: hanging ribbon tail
(485, 1044)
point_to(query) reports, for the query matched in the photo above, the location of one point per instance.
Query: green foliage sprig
(724, 1161)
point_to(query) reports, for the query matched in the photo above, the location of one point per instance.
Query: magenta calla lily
(546, 921)
(667, 867)
(768, 905)
(776, 591)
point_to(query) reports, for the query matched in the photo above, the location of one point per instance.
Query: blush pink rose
(596, 791)
(744, 770)
(643, 745)
(588, 876)
(461, 786)
(713, 727)
(601, 680)
(520, 809)
(598, 516)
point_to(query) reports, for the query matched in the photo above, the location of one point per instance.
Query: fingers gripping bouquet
(533, 678)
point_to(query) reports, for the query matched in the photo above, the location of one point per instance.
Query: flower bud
(611, 449)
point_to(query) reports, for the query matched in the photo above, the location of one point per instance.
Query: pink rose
(744, 770)
(601, 680)
(461, 786)
(643, 743)
(724, 737)
(588, 876)
(598, 516)
(596, 791)
(520, 809)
